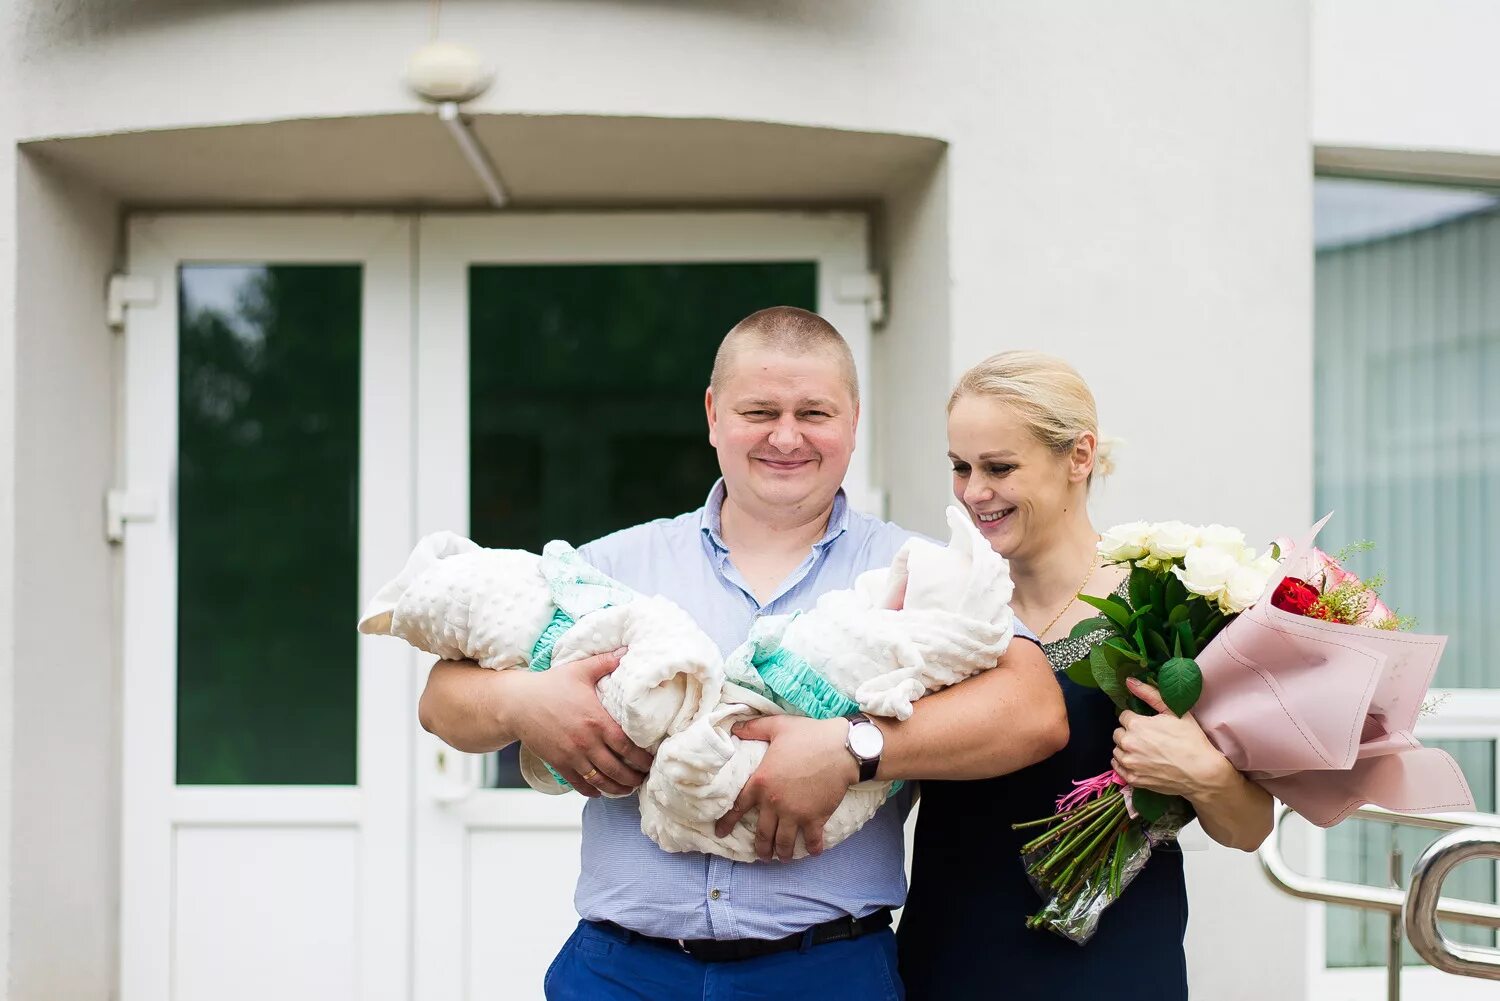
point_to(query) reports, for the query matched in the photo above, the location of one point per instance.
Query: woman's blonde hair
(1053, 401)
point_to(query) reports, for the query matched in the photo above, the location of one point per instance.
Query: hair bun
(1104, 455)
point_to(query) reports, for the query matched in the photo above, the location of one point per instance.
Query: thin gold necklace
(1076, 591)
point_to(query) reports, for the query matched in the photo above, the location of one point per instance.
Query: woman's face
(1015, 488)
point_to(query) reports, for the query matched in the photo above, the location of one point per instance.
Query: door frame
(415, 801)
(153, 807)
(450, 804)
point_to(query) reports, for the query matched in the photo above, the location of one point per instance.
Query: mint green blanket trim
(558, 776)
(541, 660)
(541, 652)
(578, 588)
(795, 685)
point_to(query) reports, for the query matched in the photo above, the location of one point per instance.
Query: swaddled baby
(936, 616)
(507, 608)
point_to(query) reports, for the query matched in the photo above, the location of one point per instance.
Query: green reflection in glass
(1358, 851)
(586, 393)
(267, 509)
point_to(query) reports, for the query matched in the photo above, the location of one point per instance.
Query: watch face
(866, 740)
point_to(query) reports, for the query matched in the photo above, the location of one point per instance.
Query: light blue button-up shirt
(625, 877)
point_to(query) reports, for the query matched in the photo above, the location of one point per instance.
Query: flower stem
(1082, 835)
(1111, 827)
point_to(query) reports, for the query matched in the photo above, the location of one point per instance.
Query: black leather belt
(710, 950)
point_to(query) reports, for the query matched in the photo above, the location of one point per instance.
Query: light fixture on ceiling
(446, 74)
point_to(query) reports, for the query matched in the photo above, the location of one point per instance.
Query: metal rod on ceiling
(448, 112)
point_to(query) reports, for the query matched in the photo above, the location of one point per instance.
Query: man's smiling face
(783, 425)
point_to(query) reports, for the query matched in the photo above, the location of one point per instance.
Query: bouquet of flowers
(1294, 668)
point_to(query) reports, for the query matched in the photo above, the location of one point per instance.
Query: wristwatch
(865, 742)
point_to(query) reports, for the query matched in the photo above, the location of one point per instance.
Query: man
(775, 533)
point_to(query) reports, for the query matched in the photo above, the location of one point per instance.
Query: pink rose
(1333, 574)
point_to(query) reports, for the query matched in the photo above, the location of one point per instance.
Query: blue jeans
(600, 965)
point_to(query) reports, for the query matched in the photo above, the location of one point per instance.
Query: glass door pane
(586, 394)
(268, 487)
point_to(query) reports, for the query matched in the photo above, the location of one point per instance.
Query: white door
(562, 360)
(266, 753)
(307, 396)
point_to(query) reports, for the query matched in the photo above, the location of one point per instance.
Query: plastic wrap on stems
(1089, 852)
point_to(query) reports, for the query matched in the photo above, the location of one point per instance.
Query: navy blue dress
(963, 933)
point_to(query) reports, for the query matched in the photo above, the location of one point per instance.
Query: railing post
(1393, 935)
(1422, 904)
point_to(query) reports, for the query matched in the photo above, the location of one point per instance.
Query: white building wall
(1125, 185)
(1407, 75)
(66, 830)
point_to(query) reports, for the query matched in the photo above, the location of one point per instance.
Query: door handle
(459, 775)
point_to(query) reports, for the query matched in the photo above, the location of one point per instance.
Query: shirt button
(714, 894)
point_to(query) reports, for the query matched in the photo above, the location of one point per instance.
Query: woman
(1024, 440)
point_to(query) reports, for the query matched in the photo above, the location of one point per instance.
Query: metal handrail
(1421, 915)
(1473, 835)
(1376, 898)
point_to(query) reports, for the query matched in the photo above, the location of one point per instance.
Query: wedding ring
(590, 775)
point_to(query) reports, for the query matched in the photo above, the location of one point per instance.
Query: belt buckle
(683, 947)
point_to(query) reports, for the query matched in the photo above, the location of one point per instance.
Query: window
(1407, 451)
(586, 395)
(268, 471)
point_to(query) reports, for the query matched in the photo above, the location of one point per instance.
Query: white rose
(1243, 589)
(1206, 571)
(1266, 565)
(1231, 540)
(1124, 542)
(1171, 540)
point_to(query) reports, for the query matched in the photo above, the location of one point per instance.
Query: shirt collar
(711, 521)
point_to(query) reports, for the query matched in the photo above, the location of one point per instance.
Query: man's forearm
(464, 705)
(992, 724)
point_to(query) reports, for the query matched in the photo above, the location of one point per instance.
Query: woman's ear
(1081, 458)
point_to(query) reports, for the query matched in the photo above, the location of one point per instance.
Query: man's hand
(803, 778)
(563, 723)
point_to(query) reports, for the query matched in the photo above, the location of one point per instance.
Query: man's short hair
(787, 329)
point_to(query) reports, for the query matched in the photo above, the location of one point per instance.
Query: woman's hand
(1170, 755)
(1165, 753)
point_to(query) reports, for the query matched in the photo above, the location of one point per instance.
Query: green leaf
(1140, 587)
(1176, 593)
(1152, 806)
(1113, 610)
(1089, 625)
(1080, 672)
(1124, 650)
(1157, 647)
(1159, 591)
(1181, 683)
(1106, 678)
(1179, 613)
(1210, 630)
(1189, 648)
(1141, 614)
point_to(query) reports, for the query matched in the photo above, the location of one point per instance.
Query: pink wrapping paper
(1321, 713)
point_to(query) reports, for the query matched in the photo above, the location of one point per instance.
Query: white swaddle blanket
(936, 616)
(462, 602)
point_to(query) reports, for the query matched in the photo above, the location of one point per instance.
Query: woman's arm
(1170, 755)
